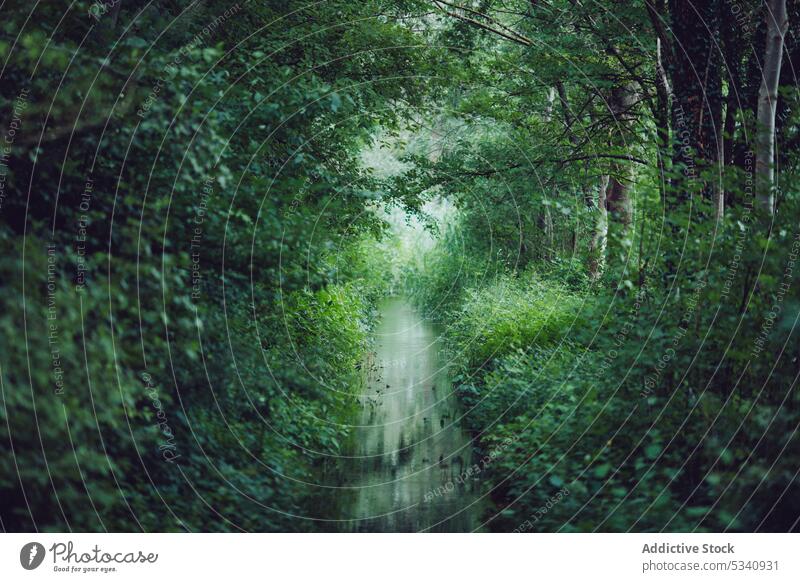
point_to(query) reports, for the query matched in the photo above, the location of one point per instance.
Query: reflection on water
(411, 459)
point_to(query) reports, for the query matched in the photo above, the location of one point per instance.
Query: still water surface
(409, 454)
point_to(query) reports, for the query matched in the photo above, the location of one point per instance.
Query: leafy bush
(616, 410)
(510, 314)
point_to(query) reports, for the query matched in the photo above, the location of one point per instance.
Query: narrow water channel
(409, 455)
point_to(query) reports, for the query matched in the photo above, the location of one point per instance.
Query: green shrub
(513, 313)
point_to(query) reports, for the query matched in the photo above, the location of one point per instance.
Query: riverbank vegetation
(189, 261)
(619, 285)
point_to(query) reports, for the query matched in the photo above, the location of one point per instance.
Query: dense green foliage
(189, 264)
(656, 389)
(626, 402)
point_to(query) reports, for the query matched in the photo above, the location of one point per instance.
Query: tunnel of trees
(203, 205)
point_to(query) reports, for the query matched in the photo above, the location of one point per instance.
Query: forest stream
(409, 454)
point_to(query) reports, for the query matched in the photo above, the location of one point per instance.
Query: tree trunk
(569, 118)
(551, 99)
(777, 23)
(697, 90)
(549, 231)
(618, 201)
(662, 119)
(598, 242)
(733, 40)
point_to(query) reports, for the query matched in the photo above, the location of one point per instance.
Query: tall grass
(630, 407)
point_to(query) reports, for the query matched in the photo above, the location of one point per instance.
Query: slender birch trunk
(777, 23)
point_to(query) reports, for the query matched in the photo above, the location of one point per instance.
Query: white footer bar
(398, 557)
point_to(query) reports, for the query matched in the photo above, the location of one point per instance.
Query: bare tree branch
(509, 34)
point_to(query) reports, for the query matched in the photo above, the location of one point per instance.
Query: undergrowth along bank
(607, 407)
